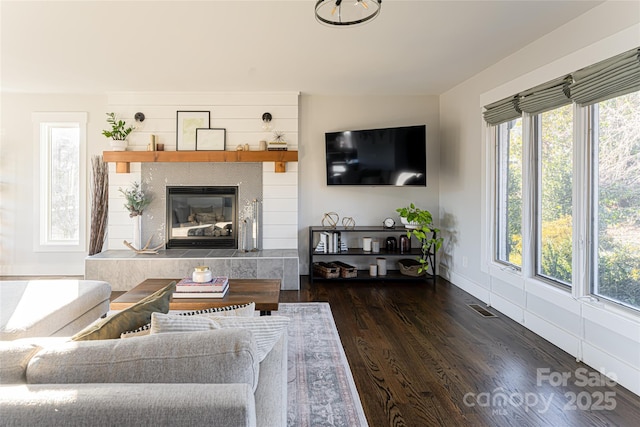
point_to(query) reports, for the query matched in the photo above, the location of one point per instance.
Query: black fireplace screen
(202, 217)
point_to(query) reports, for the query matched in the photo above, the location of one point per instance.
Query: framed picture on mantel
(187, 123)
(210, 139)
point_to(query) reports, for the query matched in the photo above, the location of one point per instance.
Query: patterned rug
(321, 390)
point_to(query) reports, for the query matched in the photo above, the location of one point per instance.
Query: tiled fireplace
(124, 269)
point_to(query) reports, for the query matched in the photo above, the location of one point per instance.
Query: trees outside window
(554, 219)
(616, 195)
(509, 193)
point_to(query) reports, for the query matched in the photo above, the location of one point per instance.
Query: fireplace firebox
(202, 217)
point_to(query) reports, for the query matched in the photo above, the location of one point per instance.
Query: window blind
(607, 79)
(547, 96)
(502, 111)
(613, 77)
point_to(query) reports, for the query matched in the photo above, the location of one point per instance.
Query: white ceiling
(413, 47)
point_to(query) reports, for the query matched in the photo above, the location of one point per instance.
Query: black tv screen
(389, 156)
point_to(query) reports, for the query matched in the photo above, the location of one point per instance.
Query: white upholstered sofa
(228, 375)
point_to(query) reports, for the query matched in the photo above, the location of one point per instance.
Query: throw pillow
(266, 330)
(244, 310)
(130, 318)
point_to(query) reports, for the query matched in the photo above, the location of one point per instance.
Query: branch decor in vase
(136, 202)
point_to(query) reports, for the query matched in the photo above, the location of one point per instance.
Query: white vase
(119, 145)
(407, 224)
(137, 231)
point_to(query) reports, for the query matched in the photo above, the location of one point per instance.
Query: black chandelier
(353, 12)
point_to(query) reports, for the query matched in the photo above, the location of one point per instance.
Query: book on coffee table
(217, 284)
(202, 294)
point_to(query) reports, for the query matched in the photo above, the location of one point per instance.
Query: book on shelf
(216, 284)
(218, 294)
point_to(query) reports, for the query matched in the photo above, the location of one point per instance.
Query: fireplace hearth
(202, 217)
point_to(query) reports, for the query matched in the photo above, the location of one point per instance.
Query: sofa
(147, 366)
(210, 377)
(42, 308)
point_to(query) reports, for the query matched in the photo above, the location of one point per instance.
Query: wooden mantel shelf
(122, 159)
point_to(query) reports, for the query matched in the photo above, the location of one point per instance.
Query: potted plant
(419, 223)
(118, 133)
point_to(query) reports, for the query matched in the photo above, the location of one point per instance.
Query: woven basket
(346, 271)
(409, 267)
(326, 270)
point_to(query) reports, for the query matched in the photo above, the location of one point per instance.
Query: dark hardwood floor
(420, 356)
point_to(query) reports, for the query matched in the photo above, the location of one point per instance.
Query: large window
(554, 225)
(61, 178)
(616, 205)
(509, 193)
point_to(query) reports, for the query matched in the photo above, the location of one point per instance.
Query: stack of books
(216, 288)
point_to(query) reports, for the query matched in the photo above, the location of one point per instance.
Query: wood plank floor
(420, 356)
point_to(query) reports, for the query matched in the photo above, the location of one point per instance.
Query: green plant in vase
(419, 223)
(118, 133)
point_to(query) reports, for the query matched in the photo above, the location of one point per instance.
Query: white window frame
(41, 179)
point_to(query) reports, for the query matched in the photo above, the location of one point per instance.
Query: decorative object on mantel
(330, 219)
(278, 143)
(211, 139)
(348, 222)
(151, 146)
(99, 204)
(118, 133)
(146, 250)
(263, 145)
(331, 12)
(136, 202)
(187, 123)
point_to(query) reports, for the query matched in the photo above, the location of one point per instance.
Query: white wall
(241, 115)
(603, 337)
(18, 158)
(367, 205)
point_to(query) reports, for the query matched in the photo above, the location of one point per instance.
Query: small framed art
(210, 139)
(187, 123)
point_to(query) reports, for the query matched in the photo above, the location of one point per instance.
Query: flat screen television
(389, 156)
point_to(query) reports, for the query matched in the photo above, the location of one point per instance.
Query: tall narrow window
(61, 196)
(509, 193)
(554, 227)
(616, 195)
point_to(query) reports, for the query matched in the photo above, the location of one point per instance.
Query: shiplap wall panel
(241, 115)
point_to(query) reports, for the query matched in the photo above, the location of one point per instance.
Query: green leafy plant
(137, 200)
(421, 226)
(119, 129)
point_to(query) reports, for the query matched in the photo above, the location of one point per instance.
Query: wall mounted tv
(390, 156)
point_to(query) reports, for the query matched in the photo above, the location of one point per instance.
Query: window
(554, 219)
(61, 177)
(509, 193)
(616, 199)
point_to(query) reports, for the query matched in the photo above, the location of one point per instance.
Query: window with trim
(61, 181)
(575, 187)
(615, 142)
(554, 200)
(509, 193)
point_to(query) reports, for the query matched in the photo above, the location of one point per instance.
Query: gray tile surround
(125, 269)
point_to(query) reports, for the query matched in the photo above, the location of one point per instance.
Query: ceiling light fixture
(353, 12)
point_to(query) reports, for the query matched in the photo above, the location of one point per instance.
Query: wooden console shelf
(122, 159)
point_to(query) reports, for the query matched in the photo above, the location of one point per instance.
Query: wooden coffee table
(264, 292)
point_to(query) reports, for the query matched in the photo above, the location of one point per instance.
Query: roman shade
(607, 79)
(616, 76)
(547, 96)
(502, 111)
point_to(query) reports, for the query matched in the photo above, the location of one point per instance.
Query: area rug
(321, 390)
